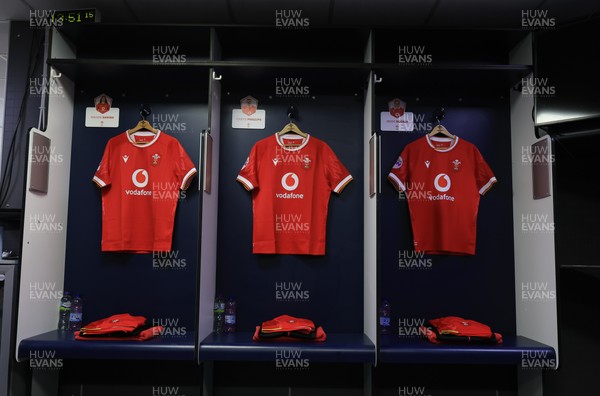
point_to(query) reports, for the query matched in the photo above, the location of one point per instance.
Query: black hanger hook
(439, 114)
(145, 111)
(292, 113)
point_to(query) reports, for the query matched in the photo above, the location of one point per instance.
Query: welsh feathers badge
(456, 165)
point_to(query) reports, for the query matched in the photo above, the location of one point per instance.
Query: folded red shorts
(454, 329)
(118, 327)
(289, 328)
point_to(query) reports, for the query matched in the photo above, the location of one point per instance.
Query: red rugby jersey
(141, 176)
(443, 180)
(291, 179)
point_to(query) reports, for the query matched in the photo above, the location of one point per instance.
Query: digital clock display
(57, 19)
(90, 15)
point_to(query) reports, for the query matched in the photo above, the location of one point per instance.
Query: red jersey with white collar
(443, 180)
(291, 179)
(141, 176)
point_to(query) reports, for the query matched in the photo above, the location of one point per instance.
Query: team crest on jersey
(398, 163)
(155, 159)
(456, 165)
(306, 162)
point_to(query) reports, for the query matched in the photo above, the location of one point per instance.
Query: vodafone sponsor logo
(289, 182)
(285, 181)
(140, 179)
(442, 183)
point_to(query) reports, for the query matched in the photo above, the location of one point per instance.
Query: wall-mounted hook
(215, 77)
(145, 111)
(292, 113)
(439, 114)
(377, 80)
(55, 74)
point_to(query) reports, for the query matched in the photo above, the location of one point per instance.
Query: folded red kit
(120, 327)
(454, 329)
(289, 328)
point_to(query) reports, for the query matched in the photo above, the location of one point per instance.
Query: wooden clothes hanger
(143, 124)
(292, 128)
(439, 128)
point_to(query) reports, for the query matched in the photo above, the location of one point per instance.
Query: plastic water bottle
(384, 317)
(76, 315)
(64, 311)
(219, 321)
(230, 315)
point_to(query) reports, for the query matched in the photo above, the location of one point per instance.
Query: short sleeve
(248, 175)
(338, 176)
(102, 176)
(186, 168)
(483, 174)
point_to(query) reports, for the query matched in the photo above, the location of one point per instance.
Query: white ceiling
(366, 13)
